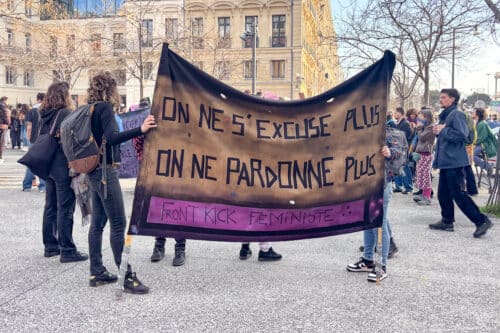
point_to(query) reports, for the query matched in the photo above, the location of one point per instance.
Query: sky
(470, 73)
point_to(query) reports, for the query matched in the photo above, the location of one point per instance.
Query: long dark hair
(57, 97)
(103, 88)
(480, 113)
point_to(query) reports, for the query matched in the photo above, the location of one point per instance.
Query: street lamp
(252, 35)
(476, 33)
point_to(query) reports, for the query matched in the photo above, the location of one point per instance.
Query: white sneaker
(2, 160)
(377, 274)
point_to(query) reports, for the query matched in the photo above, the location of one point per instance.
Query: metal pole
(254, 58)
(453, 61)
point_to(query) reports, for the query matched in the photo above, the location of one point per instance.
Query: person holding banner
(106, 196)
(391, 151)
(159, 248)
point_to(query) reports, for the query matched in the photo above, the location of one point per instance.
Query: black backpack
(78, 142)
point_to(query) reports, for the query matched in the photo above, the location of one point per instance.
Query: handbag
(40, 156)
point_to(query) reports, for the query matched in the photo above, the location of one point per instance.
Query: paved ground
(439, 282)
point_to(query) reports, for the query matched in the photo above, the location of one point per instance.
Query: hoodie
(49, 116)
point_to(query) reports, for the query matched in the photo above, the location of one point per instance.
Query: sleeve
(29, 117)
(110, 128)
(482, 133)
(456, 130)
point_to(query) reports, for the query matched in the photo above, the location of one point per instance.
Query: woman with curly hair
(57, 227)
(107, 204)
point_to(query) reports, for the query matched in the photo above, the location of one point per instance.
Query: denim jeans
(28, 181)
(57, 226)
(478, 160)
(405, 180)
(24, 136)
(103, 209)
(371, 235)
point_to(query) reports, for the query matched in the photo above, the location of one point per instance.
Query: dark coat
(404, 125)
(426, 139)
(450, 148)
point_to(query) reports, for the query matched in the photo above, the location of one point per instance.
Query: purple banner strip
(229, 217)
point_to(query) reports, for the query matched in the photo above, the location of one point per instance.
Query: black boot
(393, 249)
(482, 228)
(159, 250)
(132, 285)
(442, 225)
(270, 255)
(73, 257)
(245, 251)
(103, 278)
(180, 253)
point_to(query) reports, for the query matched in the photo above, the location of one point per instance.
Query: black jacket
(104, 125)
(404, 125)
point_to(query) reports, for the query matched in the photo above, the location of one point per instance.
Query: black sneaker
(393, 249)
(103, 278)
(158, 253)
(270, 255)
(245, 252)
(362, 265)
(180, 257)
(483, 228)
(73, 257)
(362, 249)
(442, 226)
(132, 285)
(377, 274)
(397, 190)
(51, 253)
(419, 192)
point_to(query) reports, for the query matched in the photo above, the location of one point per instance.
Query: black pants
(15, 138)
(57, 225)
(104, 209)
(179, 243)
(470, 181)
(451, 189)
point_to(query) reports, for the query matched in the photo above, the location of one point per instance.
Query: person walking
(425, 145)
(23, 111)
(404, 183)
(106, 192)
(451, 158)
(59, 198)
(32, 129)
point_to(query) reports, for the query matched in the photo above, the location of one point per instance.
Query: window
(224, 32)
(248, 69)
(147, 70)
(251, 23)
(10, 75)
(27, 8)
(279, 37)
(29, 78)
(278, 69)
(53, 47)
(10, 38)
(120, 76)
(96, 44)
(222, 70)
(70, 44)
(28, 42)
(197, 32)
(171, 29)
(118, 43)
(147, 33)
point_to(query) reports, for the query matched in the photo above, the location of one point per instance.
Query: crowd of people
(451, 144)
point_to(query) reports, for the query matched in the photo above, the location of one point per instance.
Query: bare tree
(424, 33)
(494, 9)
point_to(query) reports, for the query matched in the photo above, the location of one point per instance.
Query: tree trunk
(426, 85)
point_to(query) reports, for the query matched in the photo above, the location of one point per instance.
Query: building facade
(73, 39)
